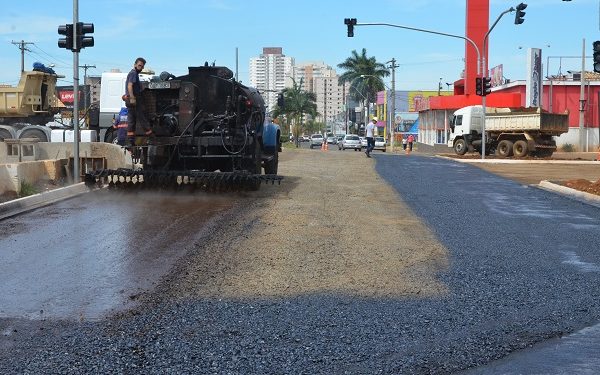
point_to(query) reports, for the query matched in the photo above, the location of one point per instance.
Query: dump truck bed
(551, 123)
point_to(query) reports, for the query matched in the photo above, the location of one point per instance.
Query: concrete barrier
(52, 159)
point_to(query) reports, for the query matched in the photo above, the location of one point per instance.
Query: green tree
(297, 104)
(365, 76)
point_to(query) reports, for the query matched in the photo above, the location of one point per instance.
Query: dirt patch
(39, 187)
(584, 185)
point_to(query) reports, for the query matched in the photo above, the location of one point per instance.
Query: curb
(574, 194)
(21, 205)
(514, 161)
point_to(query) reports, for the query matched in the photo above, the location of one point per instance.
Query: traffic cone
(323, 146)
(326, 146)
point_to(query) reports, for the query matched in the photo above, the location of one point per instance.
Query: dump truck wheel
(520, 149)
(34, 133)
(505, 148)
(460, 147)
(5, 134)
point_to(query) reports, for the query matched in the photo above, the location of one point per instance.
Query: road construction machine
(208, 131)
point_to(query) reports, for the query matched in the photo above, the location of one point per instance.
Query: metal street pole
(393, 116)
(484, 74)
(75, 116)
(582, 100)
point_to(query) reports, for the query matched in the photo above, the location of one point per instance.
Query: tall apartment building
(323, 81)
(268, 73)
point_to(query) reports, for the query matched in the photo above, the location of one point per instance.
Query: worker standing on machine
(132, 92)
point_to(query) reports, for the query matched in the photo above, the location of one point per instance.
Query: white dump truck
(509, 132)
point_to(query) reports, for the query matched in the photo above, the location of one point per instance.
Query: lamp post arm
(485, 39)
(427, 31)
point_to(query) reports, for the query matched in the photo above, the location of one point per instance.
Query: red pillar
(477, 24)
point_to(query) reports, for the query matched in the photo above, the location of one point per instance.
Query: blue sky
(175, 34)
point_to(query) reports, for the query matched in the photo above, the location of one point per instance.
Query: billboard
(533, 84)
(419, 100)
(496, 74)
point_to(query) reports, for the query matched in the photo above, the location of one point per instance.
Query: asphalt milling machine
(209, 132)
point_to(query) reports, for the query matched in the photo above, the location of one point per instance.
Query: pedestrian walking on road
(370, 134)
(404, 142)
(410, 140)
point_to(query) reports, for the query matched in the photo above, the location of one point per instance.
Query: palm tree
(364, 75)
(297, 103)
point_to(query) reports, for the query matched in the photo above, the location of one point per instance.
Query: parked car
(332, 140)
(305, 138)
(339, 138)
(316, 140)
(380, 144)
(363, 142)
(350, 141)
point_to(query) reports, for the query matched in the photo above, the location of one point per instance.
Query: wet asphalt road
(524, 267)
(93, 254)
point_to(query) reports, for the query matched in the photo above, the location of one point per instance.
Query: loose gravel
(434, 267)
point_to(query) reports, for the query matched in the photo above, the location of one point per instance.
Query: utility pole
(393, 116)
(22, 47)
(325, 105)
(345, 101)
(86, 92)
(582, 100)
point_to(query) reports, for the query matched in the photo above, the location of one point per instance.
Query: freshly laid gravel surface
(433, 268)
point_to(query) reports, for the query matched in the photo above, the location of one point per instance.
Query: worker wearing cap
(120, 124)
(370, 134)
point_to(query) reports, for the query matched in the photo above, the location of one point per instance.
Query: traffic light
(520, 14)
(478, 86)
(82, 40)
(67, 41)
(350, 22)
(597, 56)
(487, 86)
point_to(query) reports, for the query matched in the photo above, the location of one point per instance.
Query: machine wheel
(520, 149)
(34, 133)
(272, 165)
(460, 147)
(255, 166)
(111, 137)
(544, 152)
(5, 134)
(505, 148)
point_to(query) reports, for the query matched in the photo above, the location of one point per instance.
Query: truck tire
(460, 147)
(5, 134)
(520, 149)
(34, 133)
(505, 148)
(111, 137)
(544, 152)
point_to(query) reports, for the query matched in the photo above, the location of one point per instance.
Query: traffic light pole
(75, 116)
(484, 73)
